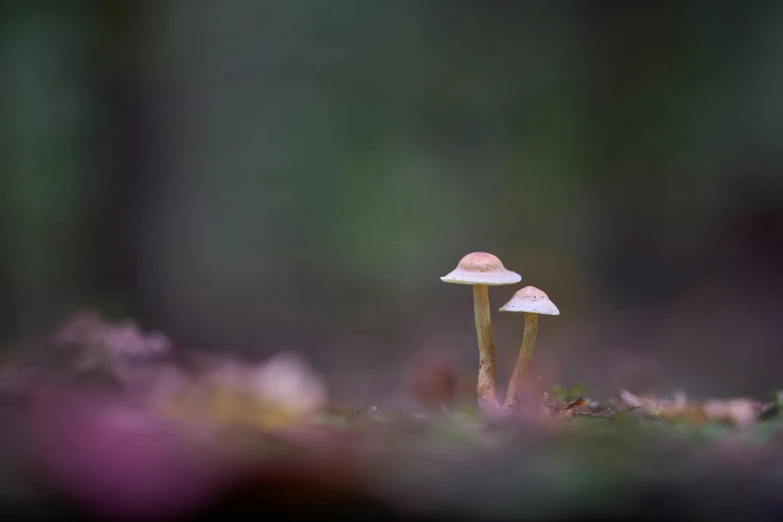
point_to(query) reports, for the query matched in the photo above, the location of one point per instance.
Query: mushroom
(531, 301)
(482, 270)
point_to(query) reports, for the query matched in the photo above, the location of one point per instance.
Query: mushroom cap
(480, 268)
(531, 300)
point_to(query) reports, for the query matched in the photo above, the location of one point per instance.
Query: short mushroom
(531, 301)
(482, 270)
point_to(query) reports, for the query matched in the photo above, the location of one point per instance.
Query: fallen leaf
(578, 402)
(740, 412)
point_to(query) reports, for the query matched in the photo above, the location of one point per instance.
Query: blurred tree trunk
(127, 134)
(45, 198)
(76, 138)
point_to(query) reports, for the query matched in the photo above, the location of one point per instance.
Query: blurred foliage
(252, 175)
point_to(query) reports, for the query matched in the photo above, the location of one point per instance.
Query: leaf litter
(266, 431)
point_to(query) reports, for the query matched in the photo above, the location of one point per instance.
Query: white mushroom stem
(486, 377)
(523, 360)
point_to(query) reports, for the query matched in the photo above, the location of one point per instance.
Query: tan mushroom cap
(480, 268)
(531, 300)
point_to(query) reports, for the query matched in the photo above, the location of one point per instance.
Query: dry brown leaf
(432, 376)
(281, 392)
(672, 409)
(578, 402)
(740, 412)
(657, 406)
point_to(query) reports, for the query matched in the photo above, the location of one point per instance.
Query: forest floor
(121, 429)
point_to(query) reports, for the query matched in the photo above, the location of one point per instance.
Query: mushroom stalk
(481, 270)
(486, 377)
(523, 360)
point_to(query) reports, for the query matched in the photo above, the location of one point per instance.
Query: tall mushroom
(531, 301)
(482, 270)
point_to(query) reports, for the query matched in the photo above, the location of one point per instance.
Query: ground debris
(740, 412)
(277, 393)
(269, 426)
(123, 338)
(432, 377)
(565, 409)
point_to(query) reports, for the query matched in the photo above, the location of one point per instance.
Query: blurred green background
(252, 176)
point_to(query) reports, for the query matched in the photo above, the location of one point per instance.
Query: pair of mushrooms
(482, 270)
